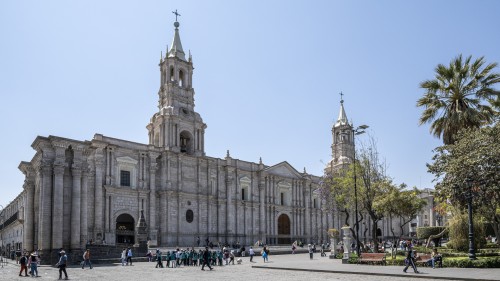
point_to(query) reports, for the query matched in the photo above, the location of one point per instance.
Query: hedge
(425, 232)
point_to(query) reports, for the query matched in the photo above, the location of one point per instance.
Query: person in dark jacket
(410, 260)
(206, 259)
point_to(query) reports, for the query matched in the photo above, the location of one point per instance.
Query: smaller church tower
(342, 145)
(176, 126)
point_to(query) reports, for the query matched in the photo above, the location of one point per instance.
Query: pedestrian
(231, 257)
(310, 250)
(23, 261)
(206, 258)
(198, 241)
(129, 256)
(124, 256)
(243, 251)
(410, 260)
(264, 254)
(33, 263)
(150, 256)
(158, 259)
(86, 259)
(251, 253)
(62, 265)
(293, 248)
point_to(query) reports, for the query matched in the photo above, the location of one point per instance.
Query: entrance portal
(125, 233)
(284, 230)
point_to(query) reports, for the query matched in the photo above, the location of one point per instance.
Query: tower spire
(176, 47)
(342, 119)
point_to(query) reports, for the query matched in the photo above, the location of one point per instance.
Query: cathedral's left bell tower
(176, 126)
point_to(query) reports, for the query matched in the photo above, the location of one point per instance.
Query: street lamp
(358, 131)
(472, 250)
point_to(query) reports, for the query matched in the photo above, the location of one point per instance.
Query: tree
(460, 96)
(374, 186)
(474, 156)
(403, 204)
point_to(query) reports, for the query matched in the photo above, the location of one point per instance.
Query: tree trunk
(439, 235)
(374, 235)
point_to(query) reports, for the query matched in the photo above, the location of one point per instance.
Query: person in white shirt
(251, 253)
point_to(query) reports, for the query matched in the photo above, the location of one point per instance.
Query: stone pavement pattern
(144, 270)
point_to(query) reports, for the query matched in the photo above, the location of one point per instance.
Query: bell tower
(176, 126)
(343, 144)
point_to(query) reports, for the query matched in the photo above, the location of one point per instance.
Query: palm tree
(460, 96)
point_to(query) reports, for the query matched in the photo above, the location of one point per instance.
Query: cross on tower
(341, 97)
(176, 14)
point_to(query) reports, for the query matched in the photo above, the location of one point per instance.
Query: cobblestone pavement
(147, 271)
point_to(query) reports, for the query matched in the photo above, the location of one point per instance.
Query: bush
(425, 232)
(459, 233)
(465, 262)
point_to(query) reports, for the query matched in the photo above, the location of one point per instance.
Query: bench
(423, 259)
(372, 257)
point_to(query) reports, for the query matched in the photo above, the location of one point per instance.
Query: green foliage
(459, 233)
(425, 232)
(462, 95)
(475, 156)
(462, 262)
(465, 262)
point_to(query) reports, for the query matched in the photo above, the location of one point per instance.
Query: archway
(284, 229)
(125, 229)
(186, 142)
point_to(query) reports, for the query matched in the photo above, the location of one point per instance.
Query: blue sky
(267, 73)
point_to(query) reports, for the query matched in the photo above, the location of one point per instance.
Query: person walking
(129, 256)
(265, 253)
(231, 257)
(251, 253)
(123, 256)
(198, 241)
(33, 263)
(23, 261)
(410, 260)
(310, 250)
(159, 262)
(86, 259)
(62, 265)
(206, 259)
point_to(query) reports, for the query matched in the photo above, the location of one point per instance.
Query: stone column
(29, 223)
(84, 207)
(75, 208)
(45, 205)
(57, 208)
(152, 198)
(98, 217)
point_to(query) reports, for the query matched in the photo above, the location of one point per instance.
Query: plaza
(280, 267)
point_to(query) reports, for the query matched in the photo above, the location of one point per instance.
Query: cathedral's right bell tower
(176, 126)
(342, 145)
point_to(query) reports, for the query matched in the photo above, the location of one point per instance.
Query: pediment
(285, 170)
(126, 159)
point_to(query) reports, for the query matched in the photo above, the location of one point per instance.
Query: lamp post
(358, 131)
(472, 250)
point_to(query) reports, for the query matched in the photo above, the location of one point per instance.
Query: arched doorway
(125, 229)
(284, 229)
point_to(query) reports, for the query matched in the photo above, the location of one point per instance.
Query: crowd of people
(201, 257)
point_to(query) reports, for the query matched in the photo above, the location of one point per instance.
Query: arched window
(186, 142)
(181, 78)
(172, 76)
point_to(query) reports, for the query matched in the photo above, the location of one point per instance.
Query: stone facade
(77, 191)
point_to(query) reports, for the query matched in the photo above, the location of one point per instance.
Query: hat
(62, 252)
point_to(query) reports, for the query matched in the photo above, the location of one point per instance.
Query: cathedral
(99, 191)
(77, 191)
